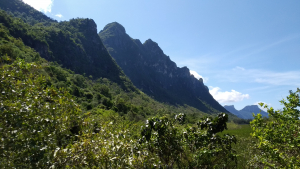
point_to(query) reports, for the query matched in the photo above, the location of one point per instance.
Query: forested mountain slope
(75, 45)
(53, 117)
(154, 73)
(19, 9)
(82, 65)
(94, 95)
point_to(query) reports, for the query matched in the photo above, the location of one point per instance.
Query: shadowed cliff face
(154, 73)
(77, 47)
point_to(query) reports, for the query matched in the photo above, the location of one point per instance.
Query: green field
(244, 142)
(243, 130)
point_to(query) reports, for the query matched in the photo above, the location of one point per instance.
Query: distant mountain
(246, 112)
(232, 110)
(154, 73)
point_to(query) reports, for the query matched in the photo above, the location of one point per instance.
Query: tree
(35, 120)
(193, 147)
(278, 137)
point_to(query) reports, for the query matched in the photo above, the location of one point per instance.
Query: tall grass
(244, 143)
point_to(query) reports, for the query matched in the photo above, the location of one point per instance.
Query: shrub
(279, 137)
(35, 120)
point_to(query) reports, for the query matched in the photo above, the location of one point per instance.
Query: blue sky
(246, 51)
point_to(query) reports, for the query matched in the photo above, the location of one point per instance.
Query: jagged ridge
(154, 73)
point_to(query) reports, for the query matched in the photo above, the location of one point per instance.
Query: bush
(193, 147)
(279, 137)
(35, 120)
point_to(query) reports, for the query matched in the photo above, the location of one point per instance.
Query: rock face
(154, 73)
(246, 112)
(78, 47)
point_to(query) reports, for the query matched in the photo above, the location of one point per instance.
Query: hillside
(80, 63)
(21, 10)
(94, 94)
(155, 73)
(74, 45)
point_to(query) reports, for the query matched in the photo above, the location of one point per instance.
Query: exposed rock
(154, 73)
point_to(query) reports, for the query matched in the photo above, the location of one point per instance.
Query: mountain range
(110, 54)
(153, 72)
(246, 112)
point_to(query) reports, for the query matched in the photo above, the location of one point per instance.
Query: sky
(246, 51)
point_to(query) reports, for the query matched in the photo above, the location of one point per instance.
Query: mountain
(74, 58)
(18, 8)
(76, 45)
(232, 110)
(253, 109)
(155, 73)
(246, 112)
(73, 44)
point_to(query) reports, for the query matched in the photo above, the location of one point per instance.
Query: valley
(75, 97)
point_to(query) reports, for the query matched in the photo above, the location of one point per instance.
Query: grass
(243, 130)
(244, 143)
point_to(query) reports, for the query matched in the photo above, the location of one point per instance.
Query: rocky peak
(184, 72)
(114, 28)
(90, 25)
(138, 42)
(232, 110)
(154, 72)
(153, 47)
(253, 108)
(231, 106)
(85, 25)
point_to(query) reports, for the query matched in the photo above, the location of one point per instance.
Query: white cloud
(197, 76)
(227, 97)
(40, 5)
(59, 15)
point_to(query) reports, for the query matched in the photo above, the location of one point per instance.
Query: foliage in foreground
(278, 137)
(42, 127)
(34, 119)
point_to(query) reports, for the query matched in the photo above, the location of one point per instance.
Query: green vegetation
(278, 137)
(75, 45)
(35, 119)
(272, 142)
(244, 145)
(43, 127)
(21, 10)
(92, 94)
(51, 117)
